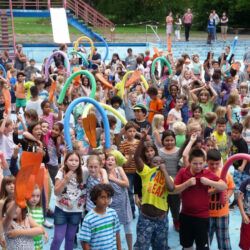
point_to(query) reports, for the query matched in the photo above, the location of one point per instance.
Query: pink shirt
(49, 119)
(187, 18)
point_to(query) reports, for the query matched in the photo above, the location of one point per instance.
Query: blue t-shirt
(245, 189)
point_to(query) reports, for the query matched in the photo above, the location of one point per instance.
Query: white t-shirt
(177, 117)
(7, 145)
(36, 105)
(74, 196)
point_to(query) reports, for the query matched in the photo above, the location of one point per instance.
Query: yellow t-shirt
(221, 141)
(119, 157)
(154, 190)
(120, 89)
(27, 86)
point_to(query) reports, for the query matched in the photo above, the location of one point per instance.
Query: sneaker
(48, 224)
(176, 225)
(233, 204)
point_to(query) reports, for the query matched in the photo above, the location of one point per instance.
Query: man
(217, 20)
(31, 69)
(187, 20)
(246, 61)
(95, 60)
(130, 60)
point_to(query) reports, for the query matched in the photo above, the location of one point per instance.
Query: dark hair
(167, 133)
(32, 126)
(60, 125)
(221, 120)
(44, 103)
(97, 190)
(39, 80)
(195, 107)
(116, 99)
(34, 91)
(32, 114)
(78, 170)
(146, 145)
(196, 152)
(5, 181)
(152, 91)
(216, 75)
(238, 127)
(129, 50)
(112, 121)
(129, 125)
(213, 155)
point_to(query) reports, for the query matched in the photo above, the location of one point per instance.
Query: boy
(221, 138)
(20, 92)
(35, 101)
(193, 183)
(210, 118)
(42, 92)
(101, 227)
(127, 148)
(244, 206)
(241, 167)
(155, 105)
(219, 213)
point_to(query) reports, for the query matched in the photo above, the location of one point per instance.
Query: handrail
(12, 26)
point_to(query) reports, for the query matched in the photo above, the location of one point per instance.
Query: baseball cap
(142, 107)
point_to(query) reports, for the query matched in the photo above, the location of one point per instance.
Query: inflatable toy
(82, 38)
(164, 61)
(105, 83)
(84, 60)
(4, 71)
(106, 46)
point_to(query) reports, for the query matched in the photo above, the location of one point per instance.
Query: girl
(19, 227)
(96, 175)
(221, 112)
(185, 81)
(158, 128)
(174, 114)
(86, 86)
(204, 99)
(197, 114)
(197, 66)
(70, 191)
(170, 154)
(246, 131)
(120, 201)
(48, 116)
(36, 212)
(177, 31)
(207, 65)
(3, 165)
(233, 110)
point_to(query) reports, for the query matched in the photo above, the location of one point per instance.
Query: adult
(210, 28)
(187, 21)
(169, 24)
(224, 56)
(95, 60)
(130, 60)
(5, 60)
(216, 21)
(224, 26)
(31, 70)
(246, 61)
(20, 58)
(59, 59)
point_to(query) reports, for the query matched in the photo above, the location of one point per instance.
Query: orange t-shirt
(154, 105)
(216, 209)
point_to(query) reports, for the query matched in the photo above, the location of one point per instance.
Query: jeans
(187, 30)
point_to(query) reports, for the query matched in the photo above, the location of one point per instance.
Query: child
(101, 227)
(180, 130)
(221, 138)
(127, 148)
(241, 167)
(219, 213)
(197, 113)
(158, 128)
(42, 93)
(20, 92)
(197, 66)
(120, 201)
(36, 212)
(246, 131)
(174, 114)
(34, 102)
(70, 192)
(19, 227)
(193, 183)
(243, 202)
(221, 111)
(3, 165)
(210, 119)
(155, 105)
(96, 175)
(156, 183)
(2, 105)
(80, 134)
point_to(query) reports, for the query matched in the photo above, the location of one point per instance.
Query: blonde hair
(180, 128)
(246, 122)
(93, 158)
(193, 126)
(158, 118)
(210, 117)
(232, 99)
(221, 111)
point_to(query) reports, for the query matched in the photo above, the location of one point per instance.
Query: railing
(13, 27)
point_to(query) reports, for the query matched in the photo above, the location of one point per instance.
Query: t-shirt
(99, 230)
(221, 141)
(154, 190)
(7, 145)
(216, 209)
(27, 86)
(120, 89)
(245, 189)
(240, 146)
(177, 117)
(36, 105)
(130, 62)
(195, 199)
(208, 131)
(154, 105)
(73, 197)
(180, 140)
(206, 107)
(143, 125)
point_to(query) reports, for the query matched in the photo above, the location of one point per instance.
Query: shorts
(224, 29)
(169, 29)
(62, 218)
(239, 178)
(244, 236)
(194, 229)
(20, 102)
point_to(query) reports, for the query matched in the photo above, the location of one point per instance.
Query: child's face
(169, 142)
(130, 133)
(221, 128)
(46, 108)
(133, 98)
(9, 128)
(149, 153)
(139, 115)
(37, 131)
(187, 75)
(197, 164)
(10, 188)
(197, 114)
(160, 94)
(216, 66)
(94, 168)
(235, 135)
(203, 97)
(173, 91)
(179, 103)
(116, 105)
(35, 198)
(110, 163)
(103, 200)
(1, 99)
(55, 132)
(196, 130)
(196, 59)
(243, 90)
(44, 127)
(73, 162)
(157, 161)
(79, 121)
(213, 165)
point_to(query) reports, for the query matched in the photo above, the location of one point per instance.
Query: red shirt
(195, 199)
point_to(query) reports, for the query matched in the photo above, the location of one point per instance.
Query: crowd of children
(167, 157)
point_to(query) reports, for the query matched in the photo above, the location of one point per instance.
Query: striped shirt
(99, 231)
(37, 216)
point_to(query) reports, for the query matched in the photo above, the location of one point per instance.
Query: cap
(142, 107)
(20, 73)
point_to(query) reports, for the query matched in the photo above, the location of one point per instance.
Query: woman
(169, 24)
(224, 26)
